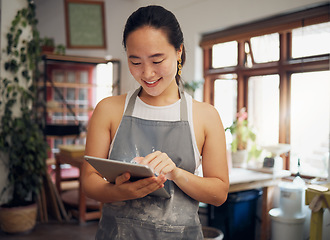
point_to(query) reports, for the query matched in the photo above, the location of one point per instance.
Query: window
(318, 34)
(263, 105)
(225, 101)
(277, 68)
(225, 54)
(310, 120)
(266, 48)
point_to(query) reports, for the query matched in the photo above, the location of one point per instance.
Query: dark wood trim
(209, 90)
(77, 59)
(315, 63)
(278, 23)
(208, 85)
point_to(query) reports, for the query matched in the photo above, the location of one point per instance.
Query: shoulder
(113, 104)
(205, 110)
(206, 115)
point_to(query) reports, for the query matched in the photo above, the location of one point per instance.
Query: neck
(169, 96)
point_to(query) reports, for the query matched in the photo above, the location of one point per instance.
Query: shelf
(77, 59)
(68, 85)
(58, 109)
(68, 91)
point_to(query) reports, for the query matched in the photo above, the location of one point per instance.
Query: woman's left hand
(160, 163)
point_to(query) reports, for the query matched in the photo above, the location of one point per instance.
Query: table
(317, 216)
(242, 179)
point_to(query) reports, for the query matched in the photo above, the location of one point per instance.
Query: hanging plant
(21, 138)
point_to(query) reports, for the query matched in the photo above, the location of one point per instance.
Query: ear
(179, 52)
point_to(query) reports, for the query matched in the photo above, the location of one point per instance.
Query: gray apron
(153, 217)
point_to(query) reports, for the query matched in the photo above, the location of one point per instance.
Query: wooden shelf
(67, 92)
(77, 59)
(68, 85)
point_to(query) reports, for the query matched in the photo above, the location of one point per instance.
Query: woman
(161, 126)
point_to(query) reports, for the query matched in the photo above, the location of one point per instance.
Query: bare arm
(213, 187)
(101, 130)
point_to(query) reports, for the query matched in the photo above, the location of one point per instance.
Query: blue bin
(236, 218)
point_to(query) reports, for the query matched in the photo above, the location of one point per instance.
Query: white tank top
(166, 113)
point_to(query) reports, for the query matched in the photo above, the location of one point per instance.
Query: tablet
(110, 169)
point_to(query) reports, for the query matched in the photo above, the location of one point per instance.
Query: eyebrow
(152, 56)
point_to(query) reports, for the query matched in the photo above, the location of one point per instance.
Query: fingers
(149, 158)
(140, 188)
(150, 185)
(160, 162)
(122, 178)
(138, 159)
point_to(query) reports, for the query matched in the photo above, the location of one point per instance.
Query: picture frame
(85, 24)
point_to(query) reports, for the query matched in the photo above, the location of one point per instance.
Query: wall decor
(85, 25)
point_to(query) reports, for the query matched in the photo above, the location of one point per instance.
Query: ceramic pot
(239, 158)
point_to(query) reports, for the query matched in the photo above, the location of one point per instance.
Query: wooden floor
(59, 231)
(71, 230)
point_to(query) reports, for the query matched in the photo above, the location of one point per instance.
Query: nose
(148, 72)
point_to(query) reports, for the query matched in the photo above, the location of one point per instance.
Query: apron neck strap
(183, 104)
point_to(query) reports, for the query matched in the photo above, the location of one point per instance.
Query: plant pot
(47, 49)
(239, 158)
(18, 219)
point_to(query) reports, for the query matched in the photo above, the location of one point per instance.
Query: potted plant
(192, 86)
(22, 143)
(243, 146)
(47, 44)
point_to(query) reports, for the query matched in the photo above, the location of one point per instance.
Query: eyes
(154, 62)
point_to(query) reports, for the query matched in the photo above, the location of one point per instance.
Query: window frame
(282, 24)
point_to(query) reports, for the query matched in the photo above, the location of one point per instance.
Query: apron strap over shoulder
(183, 107)
(131, 102)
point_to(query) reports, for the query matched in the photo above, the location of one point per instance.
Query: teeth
(151, 82)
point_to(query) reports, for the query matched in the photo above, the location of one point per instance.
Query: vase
(239, 158)
(18, 219)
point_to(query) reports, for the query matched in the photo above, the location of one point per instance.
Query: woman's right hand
(140, 188)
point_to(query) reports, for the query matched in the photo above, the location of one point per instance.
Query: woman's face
(152, 60)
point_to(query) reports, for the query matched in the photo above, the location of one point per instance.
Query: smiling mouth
(152, 81)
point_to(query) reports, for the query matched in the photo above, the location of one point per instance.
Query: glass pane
(83, 94)
(71, 95)
(266, 48)
(225, 101)
(263, 108)
(71, 77)
(224, 54)
(57, 117)
(83, 77)
(316, 37)
(58, 76)
(70, 141)
(83, 116)
(310, 120)
(57, 142)
(58, 95)
(248, 56)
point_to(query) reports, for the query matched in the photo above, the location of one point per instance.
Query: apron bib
(153, 217)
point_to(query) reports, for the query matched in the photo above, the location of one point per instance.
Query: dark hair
(158, 18)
